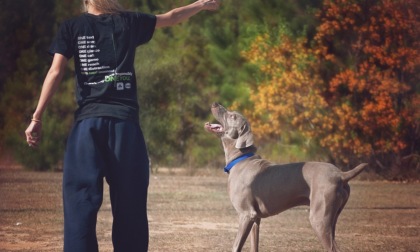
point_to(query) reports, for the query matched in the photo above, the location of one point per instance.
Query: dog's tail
(346, 176)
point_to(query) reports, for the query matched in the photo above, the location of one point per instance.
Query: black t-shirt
(104, 48)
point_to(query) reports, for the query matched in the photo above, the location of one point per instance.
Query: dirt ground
(193, 213)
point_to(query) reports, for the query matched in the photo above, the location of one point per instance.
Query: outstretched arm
(181, 14)
(53, 78)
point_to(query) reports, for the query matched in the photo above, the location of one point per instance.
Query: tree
(353, 89)
(373, 88)
(22, 87)
(187, 67)
(288, 101)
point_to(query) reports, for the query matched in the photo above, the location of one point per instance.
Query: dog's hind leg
(323, 215)
(255, 235)
(245, 226)
(344, 195)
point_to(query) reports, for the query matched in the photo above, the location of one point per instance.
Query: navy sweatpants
(113, 149)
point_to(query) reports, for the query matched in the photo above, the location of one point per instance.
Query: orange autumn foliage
(290, 97)
(355, 90)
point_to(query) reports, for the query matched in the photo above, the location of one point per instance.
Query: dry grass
(193, 213)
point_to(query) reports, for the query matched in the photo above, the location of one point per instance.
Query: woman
(106, 139)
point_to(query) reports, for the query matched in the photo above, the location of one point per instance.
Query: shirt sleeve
(144, 25)
(62, 42)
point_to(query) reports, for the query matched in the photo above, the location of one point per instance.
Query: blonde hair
(104, 6)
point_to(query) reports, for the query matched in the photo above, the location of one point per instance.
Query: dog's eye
(232, 117)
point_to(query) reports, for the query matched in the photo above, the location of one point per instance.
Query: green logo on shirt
(114, 78)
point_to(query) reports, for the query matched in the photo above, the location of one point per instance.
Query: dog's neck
(231, 152)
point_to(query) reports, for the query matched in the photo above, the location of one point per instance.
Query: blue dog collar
(237, 160)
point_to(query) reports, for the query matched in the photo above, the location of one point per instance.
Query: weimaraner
(259, 189)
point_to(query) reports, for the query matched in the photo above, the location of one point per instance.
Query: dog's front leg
(255, 235)
(245, 225)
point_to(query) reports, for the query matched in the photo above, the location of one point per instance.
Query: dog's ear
(245, 138)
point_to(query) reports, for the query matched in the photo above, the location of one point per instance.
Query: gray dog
(259, 188)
